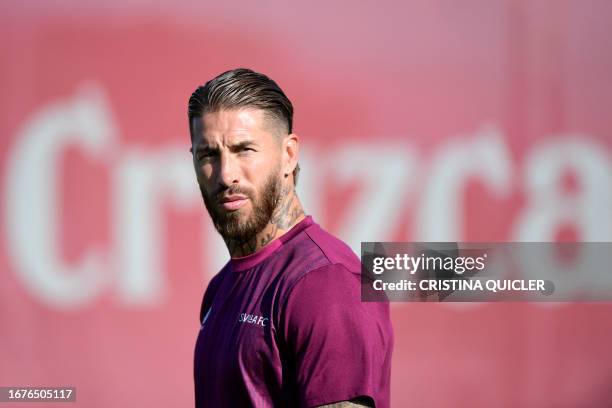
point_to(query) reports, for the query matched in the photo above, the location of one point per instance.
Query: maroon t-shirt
(285, 326)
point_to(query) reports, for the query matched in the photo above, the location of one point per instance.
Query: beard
(231, 224)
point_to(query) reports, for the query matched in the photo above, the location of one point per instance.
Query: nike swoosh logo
(205, 317)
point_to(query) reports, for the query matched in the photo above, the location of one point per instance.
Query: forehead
(233, 124)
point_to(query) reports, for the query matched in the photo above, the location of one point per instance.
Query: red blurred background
(421, 120)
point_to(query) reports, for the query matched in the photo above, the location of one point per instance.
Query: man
(282, 323)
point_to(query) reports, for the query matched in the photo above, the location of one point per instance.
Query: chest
(237, 339)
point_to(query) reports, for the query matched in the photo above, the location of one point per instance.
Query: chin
(241, 215)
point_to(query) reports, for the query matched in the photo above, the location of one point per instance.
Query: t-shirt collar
(245, 262)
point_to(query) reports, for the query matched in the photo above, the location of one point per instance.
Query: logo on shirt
(205, 317)
(252, 319)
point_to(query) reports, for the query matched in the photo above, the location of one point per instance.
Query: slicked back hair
(243, 88)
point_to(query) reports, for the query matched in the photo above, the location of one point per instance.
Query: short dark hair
(240, 88)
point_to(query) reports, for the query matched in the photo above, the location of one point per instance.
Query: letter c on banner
(32, 187)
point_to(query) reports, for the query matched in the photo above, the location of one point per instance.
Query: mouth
(233, 202)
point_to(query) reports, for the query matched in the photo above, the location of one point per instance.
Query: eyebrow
(234, 147)
(242, 145)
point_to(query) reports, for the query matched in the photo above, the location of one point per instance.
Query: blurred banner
(419, 121)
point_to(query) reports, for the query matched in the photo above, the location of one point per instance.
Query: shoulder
(332, 248)
(318, 250)
(317, 257)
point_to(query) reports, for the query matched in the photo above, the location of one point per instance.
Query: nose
(228, 170)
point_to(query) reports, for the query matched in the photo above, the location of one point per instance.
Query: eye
(206, 154)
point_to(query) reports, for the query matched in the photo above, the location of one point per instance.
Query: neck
(288, 213)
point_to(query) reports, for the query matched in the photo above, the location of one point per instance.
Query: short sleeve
(340, 347)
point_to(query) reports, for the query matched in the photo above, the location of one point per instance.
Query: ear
(290, 153)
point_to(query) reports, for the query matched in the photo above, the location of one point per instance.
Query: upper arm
(340, 346)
